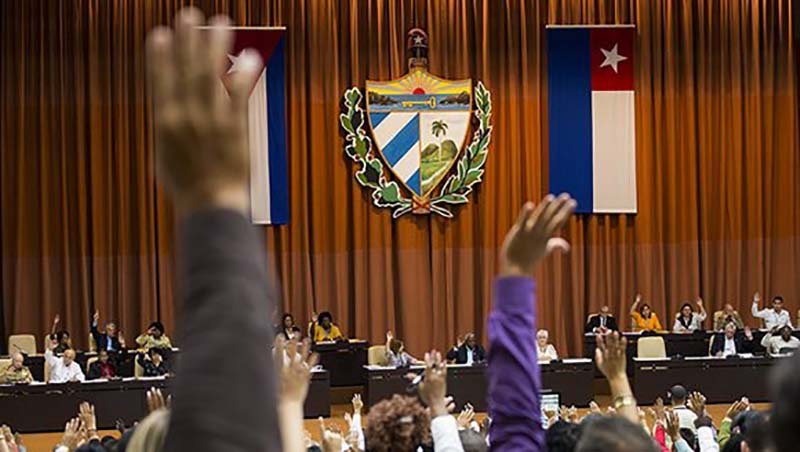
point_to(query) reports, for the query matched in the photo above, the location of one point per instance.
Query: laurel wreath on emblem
(386, 193)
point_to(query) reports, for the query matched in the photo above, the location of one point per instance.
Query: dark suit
(220, 400)
(101, 340)
(459, 355)
(594, 322)
(743, 345)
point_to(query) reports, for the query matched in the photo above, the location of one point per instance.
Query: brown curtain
(718, 165)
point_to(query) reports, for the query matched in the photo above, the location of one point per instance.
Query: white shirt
(469, 356)
(774, 344)
(60, 373)
(730, 347)
(696, 323)
(686, 417)
(771, 319)
(547, 354)
(444, 431)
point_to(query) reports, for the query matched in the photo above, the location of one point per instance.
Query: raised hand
(56, 320)
(389, 336)
(352, 433)
(201, 134)
(697, 403)
(295, 372)
(572, 414)
(433, 388)
(156, 400)
(358, 405)
(757, 298)
(332, 439)
(531, 238)
(594, 408)
(87, 417)
(72, 436)
(96, 317)
(459, 341)
(610, 355)
(737, 407)
(673, 426)
(699, 302)
(748, 333)
(121, 339)
(659, 411)
(465, 417)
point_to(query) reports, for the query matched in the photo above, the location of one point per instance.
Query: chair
(92, 344)
(89, 363)
(138, 371)
(651, 347)
(5, 363)
(376, 355)
(25, 343)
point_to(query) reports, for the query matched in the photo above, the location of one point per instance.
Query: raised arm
(703, 314)
(513, 372)
(754, 310)
(635, 305)
(220, 401)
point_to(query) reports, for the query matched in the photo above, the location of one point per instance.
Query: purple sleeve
(513, 372)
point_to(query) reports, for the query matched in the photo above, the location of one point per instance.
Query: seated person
(61, 336)
(726, 315)
(688, 321)
(109, 339)
(62, 369)
(154, 337)
(102, 368)
(289, 329)
(644, 317)
(545, 351)
(780, 341)
(730, 343)
(153, 363)
(467, 351)
(774, 317)
(396, 355)
(16, 372)
(602, 322)
(325, 330)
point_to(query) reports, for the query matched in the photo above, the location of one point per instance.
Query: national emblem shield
(419, 125)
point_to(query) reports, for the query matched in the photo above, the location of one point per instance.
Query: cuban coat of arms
(418, 127)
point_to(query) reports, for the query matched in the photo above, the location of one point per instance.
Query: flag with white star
(592, 116)
(269, 183)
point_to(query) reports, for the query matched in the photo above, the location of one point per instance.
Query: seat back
(92, 344)
(651, 347)
(5, 363)
(138, 371)
(376, 355)
(89, 363)
(25, 343)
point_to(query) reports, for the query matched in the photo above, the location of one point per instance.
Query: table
(344, 360)
(47, 407)
(721, 380)
(571, 378)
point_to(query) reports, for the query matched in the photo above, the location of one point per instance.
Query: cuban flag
(269, 184)
(591, 110)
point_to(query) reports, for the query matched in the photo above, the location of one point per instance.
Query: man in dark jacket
(602, 322)
(469, 352)
(731, 343)
(109, 339)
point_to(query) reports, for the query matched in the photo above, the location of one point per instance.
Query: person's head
(730, 330)
(111, 329)
(472, 441)
(102, 355)
(109, 442)
(754, 428)
(604, 310)
(69, 356)
(728, 308)
(777, 303)
(63, 337)
(156, 329)
(396, 346)
(92, 446)
(686, 310)
(470, 340)
(677, 395)
(156, 355)
(615, 434)
(325, 319)
(288, 321)
(785, 394)
(542, 336)
(734, 443)
(17, 360)
(150, 433)
(786, 333)
(397, 424)
(562, 437)
(645, 311)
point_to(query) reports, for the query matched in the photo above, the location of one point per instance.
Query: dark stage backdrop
(84, 226)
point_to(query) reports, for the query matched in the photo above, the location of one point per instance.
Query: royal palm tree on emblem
(439, 128)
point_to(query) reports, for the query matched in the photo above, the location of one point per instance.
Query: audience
(784, 342)
(63, 369)
(774, 317)
(602, 322)
(109, 339)
(644, 318)
(288, 329)
(396, 355)
(687, 321)
(153, 363)
(102, 368)
(467, 351)
(325, 330)
(154, 337)
(544, 349)
(726, 315)
(16, 372)
(731, 343)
